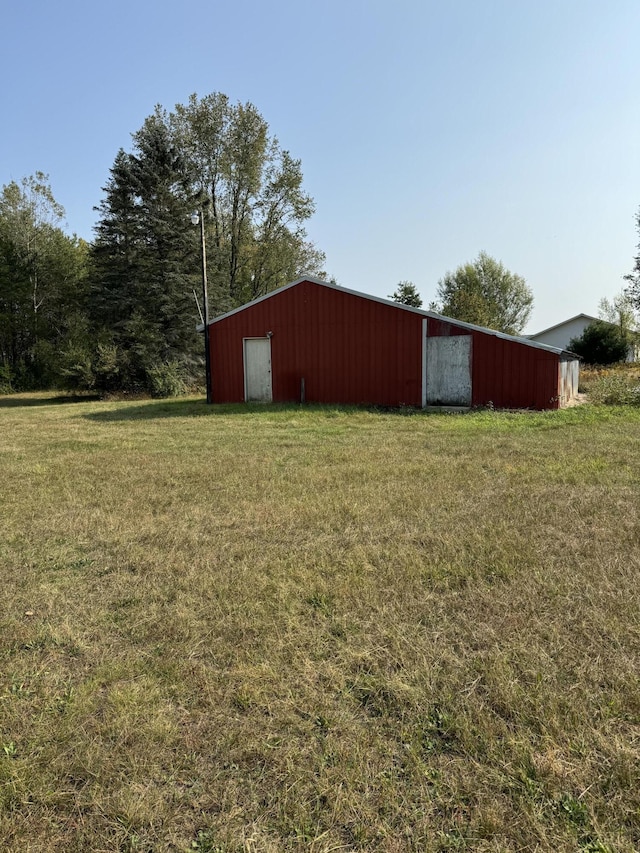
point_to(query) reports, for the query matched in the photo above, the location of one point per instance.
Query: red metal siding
(348, 349)
(508, 374)
(352, 349)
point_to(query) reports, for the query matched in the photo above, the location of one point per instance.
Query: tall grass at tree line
(318, 629)
(615, 385)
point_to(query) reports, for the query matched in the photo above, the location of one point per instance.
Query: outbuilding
(318, 342)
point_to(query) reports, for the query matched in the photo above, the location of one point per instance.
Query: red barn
(317, 342)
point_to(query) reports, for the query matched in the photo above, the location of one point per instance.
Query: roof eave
(398, 305)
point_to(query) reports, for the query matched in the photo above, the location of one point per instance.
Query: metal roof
(398, 305)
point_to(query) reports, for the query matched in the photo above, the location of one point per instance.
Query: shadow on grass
(16, 401)
(155, 409)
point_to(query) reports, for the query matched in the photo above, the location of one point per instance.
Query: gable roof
(570, 320)
(398, 305)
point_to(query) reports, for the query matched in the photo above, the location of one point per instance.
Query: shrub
(76, 369)
(615, 389)
(5, 379)
(601, 343)
(166, 380)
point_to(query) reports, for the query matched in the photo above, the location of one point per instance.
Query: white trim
(244, 369)
(425, 332)
(398, 306)
(244, 363)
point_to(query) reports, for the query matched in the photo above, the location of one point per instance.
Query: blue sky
(428, 131)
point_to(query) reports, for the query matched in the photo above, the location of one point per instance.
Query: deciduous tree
(485, 293)
(42, 274)
(257, 206)
(622, 312)
(210, 155)
(633, 290)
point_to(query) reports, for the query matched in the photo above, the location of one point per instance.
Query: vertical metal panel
(347, 348)
(425, 337)
(507, 374)
(351, 349)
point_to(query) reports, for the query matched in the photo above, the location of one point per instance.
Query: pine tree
(406, 293)
(144, 260)
(220, 159)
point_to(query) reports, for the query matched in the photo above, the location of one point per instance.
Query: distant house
(562, 333)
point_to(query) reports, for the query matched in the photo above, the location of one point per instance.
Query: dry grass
(617, 384)
(285, 629)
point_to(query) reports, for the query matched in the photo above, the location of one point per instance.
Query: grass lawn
(316, 629)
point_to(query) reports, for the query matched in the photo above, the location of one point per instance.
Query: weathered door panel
(449, 370)
(257, 370)
(569, 373)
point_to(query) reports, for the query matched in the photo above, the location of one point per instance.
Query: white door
(257, 370)
(449, 371)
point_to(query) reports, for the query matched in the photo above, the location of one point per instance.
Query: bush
(166, 380)
(601, 343)
(615, 389)
(76, 369)
(5, 379)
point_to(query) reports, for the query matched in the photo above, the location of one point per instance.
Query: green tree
(622, 312)
(257, 207)
(633, 290)
(406, 293)
(483, 292)
(600, 343)
(207, 154)
(118, 241)
(619, 310)
(143, 269)
(42, 284)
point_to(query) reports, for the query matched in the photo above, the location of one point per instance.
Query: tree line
(43, 280)
(120, 313)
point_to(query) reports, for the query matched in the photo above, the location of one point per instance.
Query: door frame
(266, 338)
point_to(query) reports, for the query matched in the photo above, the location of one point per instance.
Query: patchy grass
(286, 629)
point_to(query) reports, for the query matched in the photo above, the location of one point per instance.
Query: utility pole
(198, 217)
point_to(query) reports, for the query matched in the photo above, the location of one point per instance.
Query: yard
(318, 629)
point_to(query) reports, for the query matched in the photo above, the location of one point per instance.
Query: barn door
(449, 371)
(257, 370)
